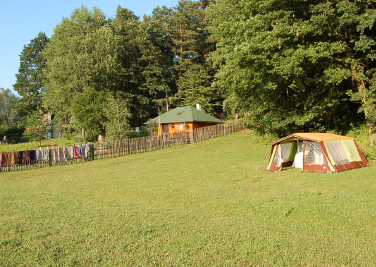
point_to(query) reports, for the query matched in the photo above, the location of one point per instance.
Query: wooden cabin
(185, 119)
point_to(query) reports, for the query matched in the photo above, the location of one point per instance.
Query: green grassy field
(207, 204)
(35, 145)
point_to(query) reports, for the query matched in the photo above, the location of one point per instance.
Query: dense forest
(284, 66)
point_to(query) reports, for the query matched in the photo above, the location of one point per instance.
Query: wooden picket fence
(113, 149)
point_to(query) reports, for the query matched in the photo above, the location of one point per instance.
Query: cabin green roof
(187, 114)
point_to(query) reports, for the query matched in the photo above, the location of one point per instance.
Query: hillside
(207, 204)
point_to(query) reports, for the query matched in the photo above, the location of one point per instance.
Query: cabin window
(313, 154)
(181, 126)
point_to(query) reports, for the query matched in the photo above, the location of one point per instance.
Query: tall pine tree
(192, 48)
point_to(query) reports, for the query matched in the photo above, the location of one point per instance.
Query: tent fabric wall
(313, 154)
(351, 150)
(321, 153)
(282, 155)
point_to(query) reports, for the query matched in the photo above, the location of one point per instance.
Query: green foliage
(125, 55)
(162, 72)
(83, 54)
(291, 65)
(262, 139)
(37, 126)
(118, 115)
(147, 62)
(192, 46)
(196, 89)
(29, 84)
(2, 127)
(88, 108)
(8, 113)
(143, 133)
(361, 135)
(14, 134)
(152, 127)
(288, 66)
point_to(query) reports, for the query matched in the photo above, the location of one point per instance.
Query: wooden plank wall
(113, 149)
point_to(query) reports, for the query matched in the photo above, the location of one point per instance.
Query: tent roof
(313, 136)
(186, 114)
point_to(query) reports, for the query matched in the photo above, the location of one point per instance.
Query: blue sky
(21, 21)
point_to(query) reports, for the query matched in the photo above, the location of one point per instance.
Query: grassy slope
(206, 204)
(34, 145)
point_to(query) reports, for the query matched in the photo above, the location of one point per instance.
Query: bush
(2, 130)
(143, 133)
(14, 134)
(361, 136)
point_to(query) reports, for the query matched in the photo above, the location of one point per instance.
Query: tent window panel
(338, 152)
(351, 150)
(277, 158)
(313, 154)
(286, 150)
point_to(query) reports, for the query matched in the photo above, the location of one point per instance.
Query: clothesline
(41, 155)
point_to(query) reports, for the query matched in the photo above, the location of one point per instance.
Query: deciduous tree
(37, 126)
(291, 65)
(8, 112)
(118, 116)
(83, 54)
(30, 84)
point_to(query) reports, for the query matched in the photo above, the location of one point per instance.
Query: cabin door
(165, 128)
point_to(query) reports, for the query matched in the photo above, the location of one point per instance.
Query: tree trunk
(181, 59)
(166, 102)
(181, 48)
(83, 134)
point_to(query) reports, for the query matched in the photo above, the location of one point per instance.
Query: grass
(60, 142)
(206, 204)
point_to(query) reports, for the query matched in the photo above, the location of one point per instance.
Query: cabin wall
(181, 126)
(202, 124)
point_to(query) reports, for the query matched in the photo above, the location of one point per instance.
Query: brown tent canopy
(316, 152)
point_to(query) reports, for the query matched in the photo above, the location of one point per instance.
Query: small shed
(316, 152)
(185, 119)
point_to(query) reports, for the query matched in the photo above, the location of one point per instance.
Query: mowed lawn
(207, 204)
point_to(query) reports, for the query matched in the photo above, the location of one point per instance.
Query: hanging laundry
(40, 154)
(43, 154)
(69, 152)
(20, 156)
(33, 156)
(16, 157)
(26, 157)
(85, 149)
(77, 151)
(55, 154)
(46, 155)
(61, 153)
(58, 154)
(7, 159)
